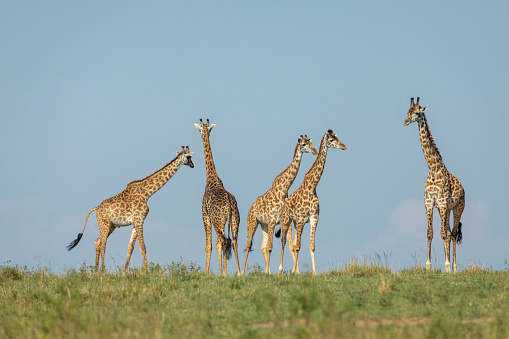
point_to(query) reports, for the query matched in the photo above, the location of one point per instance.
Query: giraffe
(302, 205)
(130, 208)
(218, 207)
(266, 210)
(442, 190)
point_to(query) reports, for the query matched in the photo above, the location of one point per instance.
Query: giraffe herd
(275, 207)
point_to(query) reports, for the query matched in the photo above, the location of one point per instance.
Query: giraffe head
(305, 145)
(415, 113)
(331, 141)
(204, 128)
(186, 156)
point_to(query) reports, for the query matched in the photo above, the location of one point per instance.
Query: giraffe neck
(212, 177)
(429, 148)
(154, 182)
(286, 178)
(313, 176)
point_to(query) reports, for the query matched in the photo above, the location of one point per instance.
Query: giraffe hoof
(428, 266)
(448, 268)
(454, 268)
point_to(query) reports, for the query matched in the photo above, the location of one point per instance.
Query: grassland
(178, 300)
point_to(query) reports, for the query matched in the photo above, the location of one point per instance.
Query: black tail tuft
(278, 232)
(228, 249)
(250, 248)
(459, 235)
(74, 242)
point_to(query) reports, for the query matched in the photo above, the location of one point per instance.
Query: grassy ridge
(357, 300)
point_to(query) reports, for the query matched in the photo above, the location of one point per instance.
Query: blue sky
(96, 95)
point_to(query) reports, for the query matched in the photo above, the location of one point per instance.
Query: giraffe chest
(441, 190)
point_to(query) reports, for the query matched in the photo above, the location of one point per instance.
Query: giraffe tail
(459, 234)
(228, 247)
(75, 242)
(278, 232)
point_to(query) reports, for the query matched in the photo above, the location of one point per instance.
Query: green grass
(359, 299)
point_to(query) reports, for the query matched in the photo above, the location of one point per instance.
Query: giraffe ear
(211, 127)
(177, 153)
(197, 126)
(191, 153)
(424, 109)
(310, 139)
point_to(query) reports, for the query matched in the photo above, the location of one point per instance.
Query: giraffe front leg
(208, 240)
(130, 248)
(446, 236)
(429, 213)
(314, 223)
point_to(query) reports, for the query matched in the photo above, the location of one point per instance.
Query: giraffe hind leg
(457, 234)
(130, 248)
(235, 235)
(429, 213)
(285, 224)
(105, 229)
(446, 236)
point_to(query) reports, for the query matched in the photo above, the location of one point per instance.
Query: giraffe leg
(314, 222)
(265, 245)
(299, 226)
(139, 233)
(105, 229)
(234, 227)
(130, 249)
(268, 248)
(97, 252)
(219, 250)
(252, 225)
(457, 212)
(291, 242)
(208, 239)
(219, 226)
(285, 224)
(429, 213)
(446, 236)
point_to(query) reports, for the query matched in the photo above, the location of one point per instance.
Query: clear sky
(94, 95)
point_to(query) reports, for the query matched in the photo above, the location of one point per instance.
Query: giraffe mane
(433, 144)
(318, 155)
(159, 170)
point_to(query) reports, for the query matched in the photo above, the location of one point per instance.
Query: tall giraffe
(130, 208)
(302, 205)
(442, 189)
(218, 207)
(266, 210)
